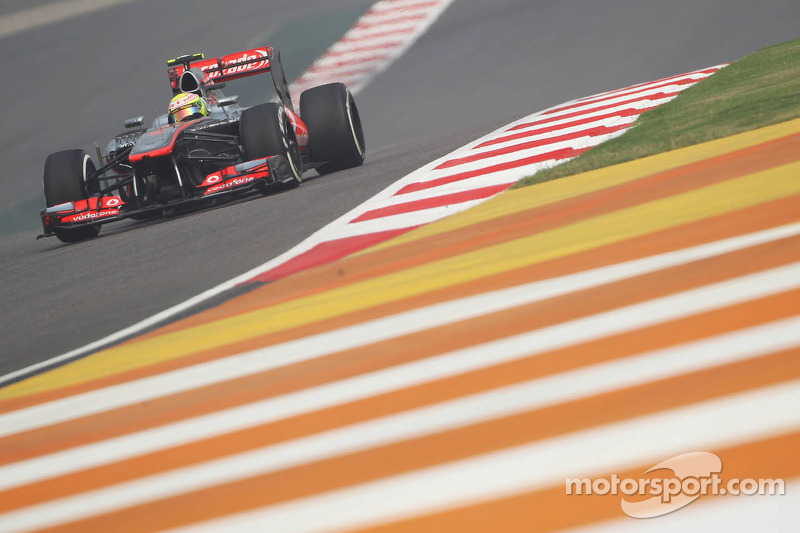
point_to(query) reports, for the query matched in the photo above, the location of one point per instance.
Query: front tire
(335, 133)
(266, 130)
(66, 180)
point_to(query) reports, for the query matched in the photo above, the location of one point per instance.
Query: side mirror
(215, 86)
(133, 122)
(228, 100)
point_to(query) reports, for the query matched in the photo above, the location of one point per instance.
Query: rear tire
(266, 130)
(335, 133)
(65, 180)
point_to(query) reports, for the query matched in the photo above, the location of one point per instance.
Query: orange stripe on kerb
(510, 227)
(552, 509)
(751, 219)
(474, 331)
(369, 465)
(547, 364)
(579, 236)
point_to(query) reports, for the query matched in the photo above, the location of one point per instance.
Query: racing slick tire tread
(65, 180)
(335, 133)
(266, 130)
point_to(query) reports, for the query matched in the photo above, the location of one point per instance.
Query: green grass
(756, 91)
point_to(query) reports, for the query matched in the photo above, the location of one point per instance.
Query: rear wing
(230, 67)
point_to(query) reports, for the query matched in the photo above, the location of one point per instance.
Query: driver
(187, 106)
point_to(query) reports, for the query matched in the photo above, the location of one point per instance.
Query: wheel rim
(350, 120)
(87, 160)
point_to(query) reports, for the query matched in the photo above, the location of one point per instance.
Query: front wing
(264, 175)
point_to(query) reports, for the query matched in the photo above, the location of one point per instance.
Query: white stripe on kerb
(709, 297)
(507, 401)
(533, 394)
(611, 448)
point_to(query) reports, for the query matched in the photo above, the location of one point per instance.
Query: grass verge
(758, 90)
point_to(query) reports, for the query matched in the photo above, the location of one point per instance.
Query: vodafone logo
(112, 202)
(182, 101)
(228, 184)
(256, 54)
(213, 178)
(91, 215)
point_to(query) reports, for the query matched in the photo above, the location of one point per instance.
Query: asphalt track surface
(481, 65)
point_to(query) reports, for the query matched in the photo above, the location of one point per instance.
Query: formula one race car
(228, 150)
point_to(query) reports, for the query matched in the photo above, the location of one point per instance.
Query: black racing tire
(334, 127)
(65, 180)
(266, 130)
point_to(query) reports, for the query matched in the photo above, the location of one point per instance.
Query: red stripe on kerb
(366, 24)
(556, 155)
(540, 131)
(592, 132)
(369, 36)
(707, 71)
(437, 201)
(362, 49)
(349, 72)
(687, 81)
(327, 252)
(348, 62)
(650, 97)
(399, 9)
